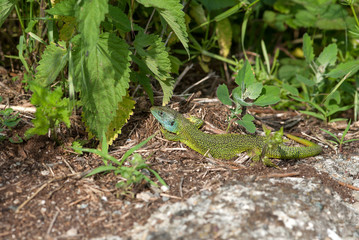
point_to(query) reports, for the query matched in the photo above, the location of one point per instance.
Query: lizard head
(168, 118)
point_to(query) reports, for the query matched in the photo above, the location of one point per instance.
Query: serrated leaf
(223, 95)
(344, 68)
(51, 109)
(102, 78)
(52, 62)
(123, 113)
(224, 34)
(307, 48)
(90, 14)
(153, 52)
(171, 11)
(271, 95)
(6, 7)
(328, 56)
(121, 20)
(63, 8)
(141, 78)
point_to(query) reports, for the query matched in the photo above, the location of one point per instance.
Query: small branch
(19, 108)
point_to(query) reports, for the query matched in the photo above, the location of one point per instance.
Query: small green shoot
(132, 174)
(51, 111)
(340, 142)
(8, 120)
(272, 141)
(248, 93)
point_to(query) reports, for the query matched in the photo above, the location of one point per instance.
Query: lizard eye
(160, 113)
(172, 123)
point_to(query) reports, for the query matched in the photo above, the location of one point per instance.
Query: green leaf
(308, 48)
(292, 90)
(328, 56)
(6, 7)
(305, 80)
(247, 123)
(121, 20)
(153, 52)
(63, 8)
(224, 34)
(101, 169)
(253, 90)
(51, 109)
(271, 95)
(123, 113)
(102, 80)
(138, 146)
(344, 68)
(317, 115)
(171, 11)
(245, 75)
(90, 14)
(53, 60)
(223, 95)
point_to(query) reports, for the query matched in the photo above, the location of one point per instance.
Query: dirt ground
(60, 204)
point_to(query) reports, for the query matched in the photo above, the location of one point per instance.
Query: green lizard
(224, 146)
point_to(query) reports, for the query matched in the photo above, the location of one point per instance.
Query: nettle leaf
(121, 21)
(344, 68)
(123, 113)
(90, 14)
(52, 62)
(223, 95)
(63, 8)
(328, 56)
(308, 48)
(171, 11)
(102, 78)
(153, 52)
(271, 95)
(6, 7)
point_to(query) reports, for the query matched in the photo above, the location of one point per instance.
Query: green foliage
(321, 90)
(340, 142)
(249, 92)
(89, 52)
(8, 120)
(131, 172)
(53, 61)
(272, 142)
(52, 109)
(6, 7)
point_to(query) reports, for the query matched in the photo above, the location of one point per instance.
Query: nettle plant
(96, 50)
(249, 92)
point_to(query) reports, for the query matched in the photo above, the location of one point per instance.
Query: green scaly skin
(224, 146)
